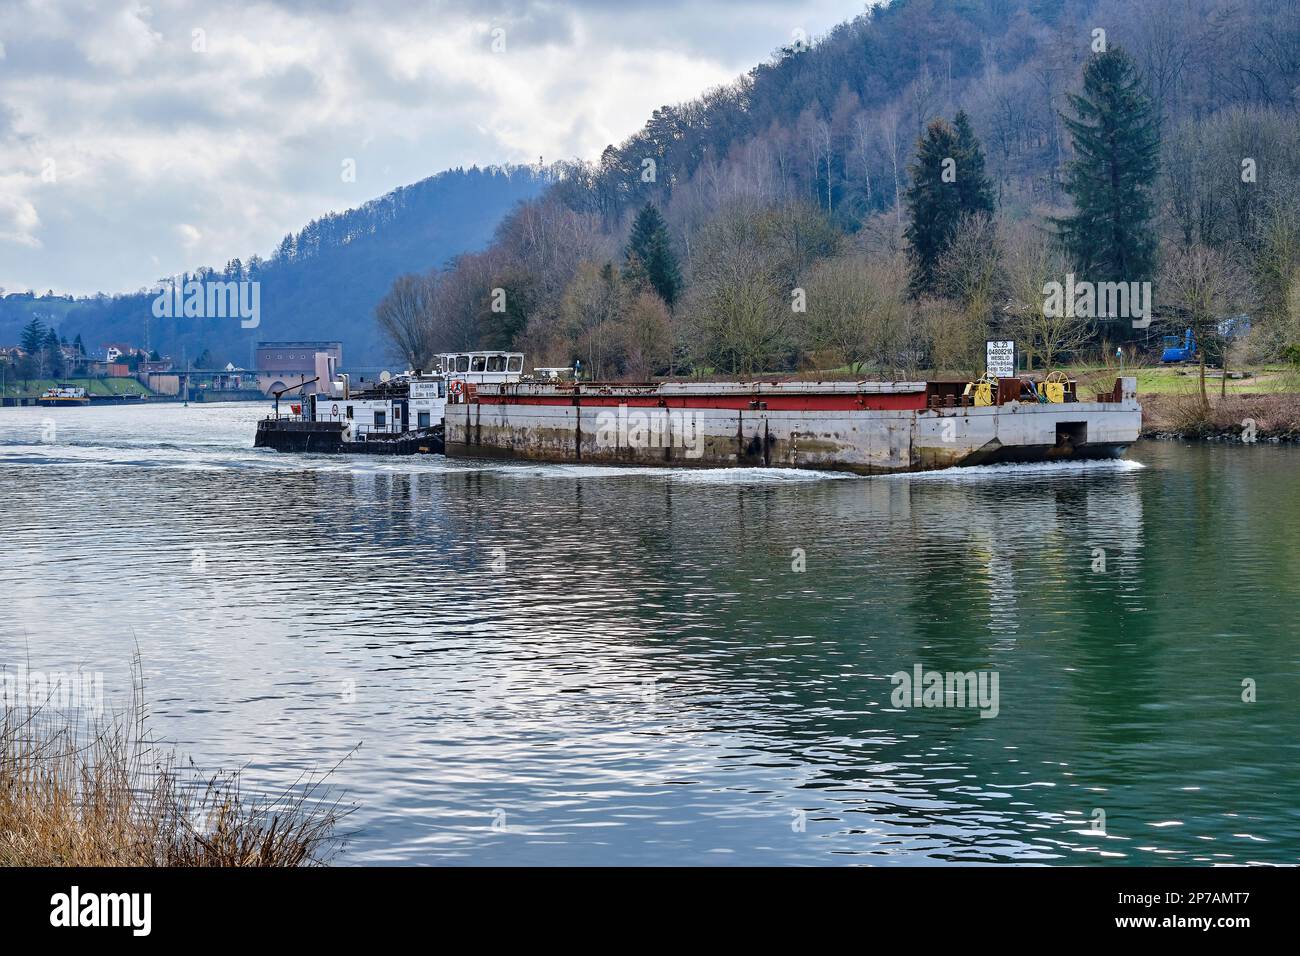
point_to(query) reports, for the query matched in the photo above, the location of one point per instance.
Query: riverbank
(96, 387)
(1244, 418)
(106, 794)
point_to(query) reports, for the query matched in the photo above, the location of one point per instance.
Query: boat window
(496, 363)
(462, 363)
(423, 420)
(477, 364)
(380, 419)
(442, 388)
(349, 411)
(516, 363)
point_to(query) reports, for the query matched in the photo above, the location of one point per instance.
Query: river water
(556, 665)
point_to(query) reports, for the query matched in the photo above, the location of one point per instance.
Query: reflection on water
(568, 665)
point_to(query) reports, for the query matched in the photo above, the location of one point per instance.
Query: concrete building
(295, 357)
(282, 364)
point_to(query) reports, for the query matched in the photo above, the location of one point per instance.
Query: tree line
(730, 270)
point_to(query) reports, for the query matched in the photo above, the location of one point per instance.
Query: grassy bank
(93, 386)
(1267, 396)
(106, 795)
(1179, 379)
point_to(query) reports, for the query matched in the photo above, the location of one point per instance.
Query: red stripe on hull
(771, 403)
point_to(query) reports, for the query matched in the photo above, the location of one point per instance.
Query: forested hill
(800, 176)
(837, 123)
(321, 283)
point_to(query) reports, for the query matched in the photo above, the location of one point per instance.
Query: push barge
(482, 405)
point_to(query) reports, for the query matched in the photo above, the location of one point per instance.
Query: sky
(138, 140)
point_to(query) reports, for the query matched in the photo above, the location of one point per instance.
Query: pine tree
(53, 353)
(33, 336)
(974, 190)
(1116, 144)
(650, 257)
(949, 184)
(933, 202)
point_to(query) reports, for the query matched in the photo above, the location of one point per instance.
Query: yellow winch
(1052, 388)
(982, 390)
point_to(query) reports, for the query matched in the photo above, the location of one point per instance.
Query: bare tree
(590, 309)
(889, 120)
(646, 336)
(738, 316)
(1202, 286)
(862, 147)
(973, 282)
(1033, 259)
(1276, 268)
(955, 340)
(405, 315)
(971, 272)
(857, 307)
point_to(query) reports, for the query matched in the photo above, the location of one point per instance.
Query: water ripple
(575, 664)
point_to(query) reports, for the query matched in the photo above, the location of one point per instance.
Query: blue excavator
(1179, 353)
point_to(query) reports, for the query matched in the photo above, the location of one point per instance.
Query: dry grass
(1275, 416)
(105, 794)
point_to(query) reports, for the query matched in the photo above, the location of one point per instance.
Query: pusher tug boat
(398, 415)
(481, 405)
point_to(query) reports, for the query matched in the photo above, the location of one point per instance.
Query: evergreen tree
(949, 184)
(974, 190)
(33, 336)
(1116, 144)
(53, 353)
(650, 257)
(933, 202)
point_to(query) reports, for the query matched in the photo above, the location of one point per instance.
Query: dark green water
(638, 674)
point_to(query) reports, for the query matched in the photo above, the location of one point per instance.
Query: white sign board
(1000, 359)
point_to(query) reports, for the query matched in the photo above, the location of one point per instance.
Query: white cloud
(231, 147)
(189, 235)
(123, 41)
(18, 222)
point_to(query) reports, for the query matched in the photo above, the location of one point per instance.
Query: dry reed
(102, 792)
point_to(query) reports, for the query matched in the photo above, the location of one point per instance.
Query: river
(566, 665)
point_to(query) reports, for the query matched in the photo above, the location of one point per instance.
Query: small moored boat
(63, 395)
